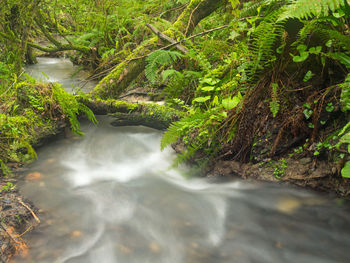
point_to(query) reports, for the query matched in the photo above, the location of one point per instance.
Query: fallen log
(135, 114)
(121, 76)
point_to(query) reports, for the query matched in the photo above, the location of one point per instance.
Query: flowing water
(112, 197)
(60, 70)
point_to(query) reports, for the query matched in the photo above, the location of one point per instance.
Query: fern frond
(157, 59)
(345, 96)
(171, 73)
(337, 37)
(251, 8)
(265, 38)
(172, 134)
(304, 9)
(274, 104)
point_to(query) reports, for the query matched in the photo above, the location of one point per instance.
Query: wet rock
(305, 161)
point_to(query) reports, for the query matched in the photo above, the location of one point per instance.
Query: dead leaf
(34, 176)
(288, 205)
(154, 247)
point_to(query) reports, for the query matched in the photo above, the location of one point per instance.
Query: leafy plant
(280, 170)
(160, 58)
(304, 9)
(274, 104)
(8, 187)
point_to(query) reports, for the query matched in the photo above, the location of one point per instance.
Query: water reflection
(111, 197)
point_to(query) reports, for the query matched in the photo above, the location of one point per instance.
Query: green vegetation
(8, 187)
(30, 111)
(254, 79)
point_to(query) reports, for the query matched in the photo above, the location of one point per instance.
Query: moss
(30, 112)
(160, 116)
(118, 80)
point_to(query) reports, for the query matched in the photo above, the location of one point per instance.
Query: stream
(63, 71)
(113, 197)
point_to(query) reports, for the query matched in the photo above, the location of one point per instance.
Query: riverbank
(18, 217)
(305, 173)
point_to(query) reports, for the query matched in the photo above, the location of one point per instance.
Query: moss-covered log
(120, 77)
(133, 114)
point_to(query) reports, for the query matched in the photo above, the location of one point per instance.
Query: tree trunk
(121, 76)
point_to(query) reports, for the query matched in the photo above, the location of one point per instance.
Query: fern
(274, 104)
(4, 168)
(337, 37)
(171, 73)
(181, 128)
(72, 108)
(157, 59)
(265, 38)
(172, 134)
(200, 58)
(304, 9)
(345, 97)
(195, 131)
(251, 8)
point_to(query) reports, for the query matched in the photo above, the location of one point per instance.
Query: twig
(165, 37)
(162, 48)
(28, 229)
(8, 232)
(30, 210)
(190, 19)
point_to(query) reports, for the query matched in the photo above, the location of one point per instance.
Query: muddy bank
(18, 217)
(305, 172)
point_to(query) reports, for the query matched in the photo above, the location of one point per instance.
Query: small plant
(8, 187)
(280, 170)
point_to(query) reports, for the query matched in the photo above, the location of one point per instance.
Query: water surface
(60, 70)
(112, 196)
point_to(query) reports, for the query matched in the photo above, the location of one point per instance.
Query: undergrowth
(29, 111)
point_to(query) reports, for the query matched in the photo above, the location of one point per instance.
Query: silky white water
(112, 196)
(60, 70)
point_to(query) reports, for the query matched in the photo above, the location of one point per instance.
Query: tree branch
(166, 38)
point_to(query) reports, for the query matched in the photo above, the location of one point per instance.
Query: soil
(18, 216)
(305, 172)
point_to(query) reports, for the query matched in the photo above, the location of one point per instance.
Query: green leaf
(229, 103)
(274, 107)
(303, 56)
(307, 113)
(201, 99)
(233, 35)
(329, 43)
(307, 105)
(208, 88)
(210, 81)
(345, 172)
(330, 107)
(308, 76)
(215, 101)
(301, 48)
(315, 50)
(342, 57)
